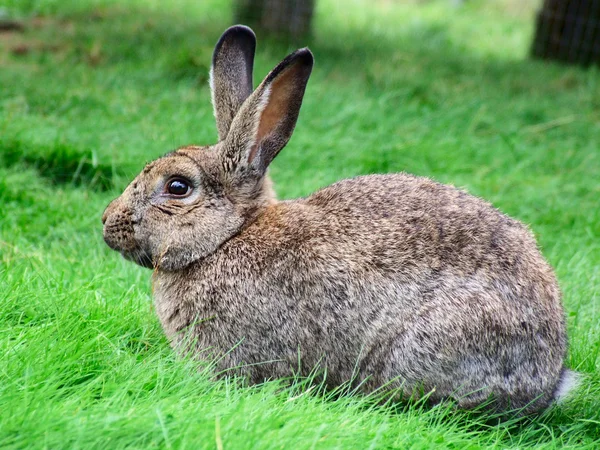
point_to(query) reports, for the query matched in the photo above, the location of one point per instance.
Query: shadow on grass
(61, 164)
(568, 424)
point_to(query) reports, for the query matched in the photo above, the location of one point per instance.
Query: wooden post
(287, 19)
(568, 31)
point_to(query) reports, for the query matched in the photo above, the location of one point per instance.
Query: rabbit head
(183, 206)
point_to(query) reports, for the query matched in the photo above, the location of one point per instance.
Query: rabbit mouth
(139, 257)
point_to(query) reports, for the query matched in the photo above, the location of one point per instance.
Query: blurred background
(87, 83)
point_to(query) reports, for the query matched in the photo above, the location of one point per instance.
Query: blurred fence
(569, 31)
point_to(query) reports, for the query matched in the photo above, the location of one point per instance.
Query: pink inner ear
(278, 106)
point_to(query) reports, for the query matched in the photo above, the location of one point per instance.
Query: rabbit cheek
(194, 236)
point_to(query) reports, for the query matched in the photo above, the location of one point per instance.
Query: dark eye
(178, 187)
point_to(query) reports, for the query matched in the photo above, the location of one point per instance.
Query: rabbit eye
(178, 187)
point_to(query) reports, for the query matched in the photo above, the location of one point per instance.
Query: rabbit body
(379, 279)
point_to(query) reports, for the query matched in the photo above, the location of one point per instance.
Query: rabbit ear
(231, 74)
(267, 119)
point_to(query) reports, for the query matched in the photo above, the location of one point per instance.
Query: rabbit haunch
(381, 280)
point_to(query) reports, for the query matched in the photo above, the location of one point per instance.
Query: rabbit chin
(139, 257)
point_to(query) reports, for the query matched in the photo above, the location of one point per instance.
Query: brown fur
(381, 280)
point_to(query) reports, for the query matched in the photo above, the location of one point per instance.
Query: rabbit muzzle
(119, 234)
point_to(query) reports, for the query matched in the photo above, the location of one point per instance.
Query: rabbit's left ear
(266, 120)
(231, 74)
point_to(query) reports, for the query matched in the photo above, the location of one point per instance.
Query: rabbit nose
(105, 215)
(109, 210)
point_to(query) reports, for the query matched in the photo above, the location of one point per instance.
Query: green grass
(92, 90)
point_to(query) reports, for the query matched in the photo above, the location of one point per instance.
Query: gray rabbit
(380, 280)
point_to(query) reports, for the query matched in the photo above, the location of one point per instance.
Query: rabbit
(381, 281)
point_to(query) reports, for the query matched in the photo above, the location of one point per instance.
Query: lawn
(91, 90)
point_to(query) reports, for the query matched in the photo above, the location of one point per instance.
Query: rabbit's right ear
(266, 120)
(231, 74)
